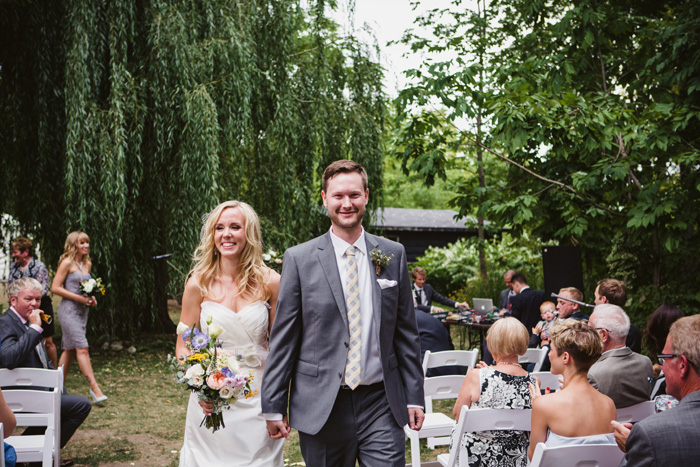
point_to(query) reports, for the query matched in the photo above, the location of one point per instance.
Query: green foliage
(130, 121)
(454, 269)
(594, 107)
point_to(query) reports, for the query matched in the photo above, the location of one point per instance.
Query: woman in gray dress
(74, 266)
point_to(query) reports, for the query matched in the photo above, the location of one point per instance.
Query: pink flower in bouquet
(216, 381)
(238, 381)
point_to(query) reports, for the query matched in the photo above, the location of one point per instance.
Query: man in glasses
(672, 437)
(619, 373)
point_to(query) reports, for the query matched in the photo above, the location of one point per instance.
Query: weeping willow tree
(130, 120)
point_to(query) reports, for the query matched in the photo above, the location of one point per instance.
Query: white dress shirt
(370, 360)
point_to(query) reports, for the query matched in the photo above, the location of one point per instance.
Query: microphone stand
(572, 300)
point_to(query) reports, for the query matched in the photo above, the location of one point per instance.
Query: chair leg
(415, 448)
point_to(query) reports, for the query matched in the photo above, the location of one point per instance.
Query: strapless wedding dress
(244, 441)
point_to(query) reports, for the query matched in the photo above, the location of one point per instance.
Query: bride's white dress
(244, 441)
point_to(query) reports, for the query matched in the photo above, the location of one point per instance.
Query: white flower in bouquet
(196, 381)
(182, 327)
(227, 392)
(89, 285)
(215, 330)
(194, 370)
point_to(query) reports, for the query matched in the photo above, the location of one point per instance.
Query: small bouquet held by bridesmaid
(89, 287)
(211, 372)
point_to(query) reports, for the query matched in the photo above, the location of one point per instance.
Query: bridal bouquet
(91, 286)
(211, 372)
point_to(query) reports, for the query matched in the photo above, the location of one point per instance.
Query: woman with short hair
(501, 386)
(578, 413)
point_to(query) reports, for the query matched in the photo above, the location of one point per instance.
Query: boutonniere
(379, 259)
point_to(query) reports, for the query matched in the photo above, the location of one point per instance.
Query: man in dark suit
(525, 306)
(344, 351)
(619, 373)
(671, 438)
(22, 347)
(425, 294)
(435, 337)
(506, 294)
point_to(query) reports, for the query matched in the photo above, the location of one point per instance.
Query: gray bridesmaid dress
(73, 315)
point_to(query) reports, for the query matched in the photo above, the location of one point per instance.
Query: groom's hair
(343, 166)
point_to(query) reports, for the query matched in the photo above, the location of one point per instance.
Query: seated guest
(658, 325)
(501, 386)
(425, 294)
(540, 333)
(22, 346)
(567, 308)
(577, 414)
(672, 438)
(614, 292)
(435, 337)
(619, 373)
(26, 265)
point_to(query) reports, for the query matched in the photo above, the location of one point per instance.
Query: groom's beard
(347, 223)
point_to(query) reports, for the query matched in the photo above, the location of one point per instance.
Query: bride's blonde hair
(70, 248)
(207, 261)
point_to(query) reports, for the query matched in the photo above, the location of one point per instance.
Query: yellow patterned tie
(352, 302)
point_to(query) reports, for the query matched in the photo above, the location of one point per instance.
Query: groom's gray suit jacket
(309, 338)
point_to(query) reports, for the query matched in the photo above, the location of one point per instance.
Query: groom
(345, 336)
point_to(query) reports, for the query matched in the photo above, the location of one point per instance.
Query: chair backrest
(472, 420)
(535, 356)
(441, 387)
(582, 455)
(636, 413)
(39, 408)
(547, 379)
(36, 377)
(467, 358)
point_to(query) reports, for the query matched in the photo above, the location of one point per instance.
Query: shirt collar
(24, 321)
(340, 245)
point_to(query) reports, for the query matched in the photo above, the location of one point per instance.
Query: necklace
(80, 265)
(507, 363)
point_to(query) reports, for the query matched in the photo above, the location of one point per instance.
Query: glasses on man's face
(662, 357)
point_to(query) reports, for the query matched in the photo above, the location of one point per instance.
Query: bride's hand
(207, 407)
(278, 428)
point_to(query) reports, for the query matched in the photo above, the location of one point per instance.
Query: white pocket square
(386, 283)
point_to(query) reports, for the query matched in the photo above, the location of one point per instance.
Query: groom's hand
(415, 418)
(278, 428)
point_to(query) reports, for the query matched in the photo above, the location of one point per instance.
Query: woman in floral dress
(501, 386)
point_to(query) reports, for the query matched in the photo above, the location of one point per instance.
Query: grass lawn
(143, 421)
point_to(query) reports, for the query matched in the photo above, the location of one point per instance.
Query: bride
(230, 284)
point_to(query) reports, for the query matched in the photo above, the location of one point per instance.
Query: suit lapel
(326, 256)
(371, 243)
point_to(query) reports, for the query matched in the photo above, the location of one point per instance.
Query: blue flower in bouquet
(227, 372)
(200, 340)
(186, 334)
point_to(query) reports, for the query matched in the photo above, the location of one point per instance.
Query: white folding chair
(588, 455)
(35, 408)
(472, 420)
(535, 356)
(37, 378)
(435, 423)
(2, 446)
(467, 358)
(637, 412)
(547, 379)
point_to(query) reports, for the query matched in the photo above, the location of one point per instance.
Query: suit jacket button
(340, 375)
(346, 344)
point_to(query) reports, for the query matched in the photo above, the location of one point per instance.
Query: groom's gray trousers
(360, 426)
